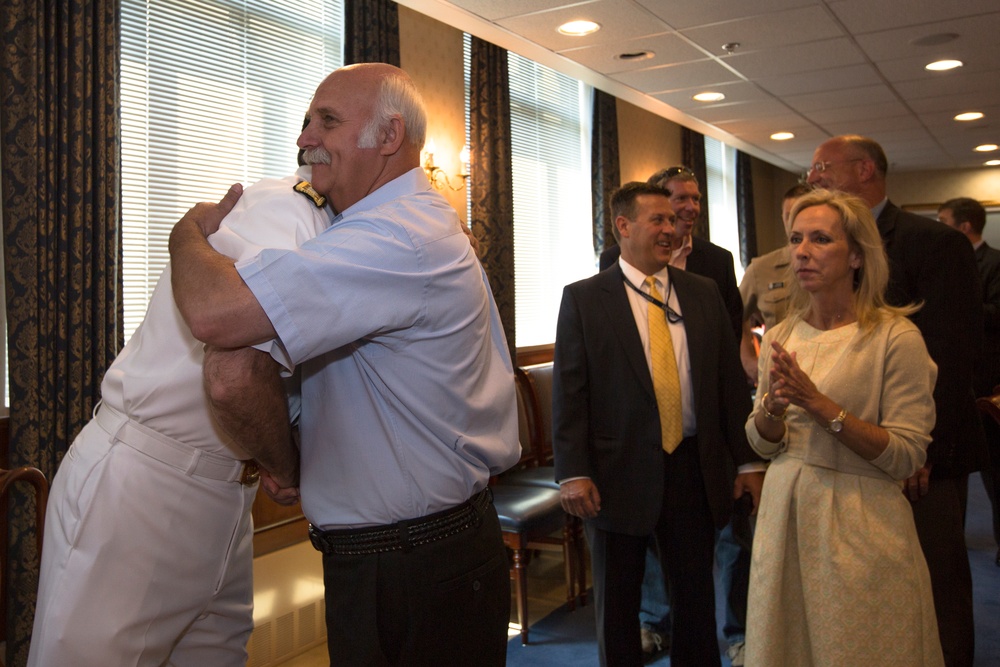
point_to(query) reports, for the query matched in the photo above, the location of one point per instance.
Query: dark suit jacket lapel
(694, 327)
(696, 260)
(887, 222)
(622, 323)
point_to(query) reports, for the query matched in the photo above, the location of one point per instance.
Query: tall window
(550, 151)
(213, 92)
(720, 163)
(550, 134)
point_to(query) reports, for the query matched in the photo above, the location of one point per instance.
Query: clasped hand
(789, 384)
(281, 495)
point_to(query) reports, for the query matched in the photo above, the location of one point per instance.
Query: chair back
(541, 384)
(36, 478)
(527, 421)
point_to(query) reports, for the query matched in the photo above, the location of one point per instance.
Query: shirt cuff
(571, 479)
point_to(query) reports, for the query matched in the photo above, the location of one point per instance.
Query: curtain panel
(491, 184)
(693, 154)
(61, 216)
(746, 218)
(604, 167)
(371, 32)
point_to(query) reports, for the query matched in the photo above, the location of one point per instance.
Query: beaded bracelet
(768, 414)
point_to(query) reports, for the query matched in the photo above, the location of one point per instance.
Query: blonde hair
(872, 278)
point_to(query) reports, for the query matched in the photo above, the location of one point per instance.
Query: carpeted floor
(568, 638)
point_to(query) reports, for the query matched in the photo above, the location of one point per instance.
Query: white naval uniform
(148, 536)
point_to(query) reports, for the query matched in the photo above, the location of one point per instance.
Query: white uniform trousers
(142, 564)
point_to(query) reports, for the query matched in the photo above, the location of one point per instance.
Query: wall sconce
(437, 176)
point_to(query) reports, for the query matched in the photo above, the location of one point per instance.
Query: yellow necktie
(666, 381)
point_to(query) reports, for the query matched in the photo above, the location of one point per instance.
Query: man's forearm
(249, 402)
(212, 298)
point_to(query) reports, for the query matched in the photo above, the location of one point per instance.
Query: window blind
(550, 135)
(720, 163)
(213, 92)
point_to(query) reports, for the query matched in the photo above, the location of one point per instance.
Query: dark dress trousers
(606, 427)
(932, 263)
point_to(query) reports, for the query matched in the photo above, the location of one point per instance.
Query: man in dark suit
(969, 217)
(932, 264)
(705, 259)
(610, 437)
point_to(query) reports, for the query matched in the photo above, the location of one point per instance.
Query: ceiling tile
(796, 58)
(841, 78)
(873, 125)
(498, 9)
(839, 99)
(677, 77)
(736, 92)
(620, 21)
(689, 14)
(667, 48)
(862, 112)
(976, 34)
(795, 26)
(863, 16)
(743, 111)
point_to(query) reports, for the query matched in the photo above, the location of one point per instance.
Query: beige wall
(646, 142)
(769, 186)
(431, 52)
(912, 188)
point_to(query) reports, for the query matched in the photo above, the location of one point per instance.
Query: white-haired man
(408, 402)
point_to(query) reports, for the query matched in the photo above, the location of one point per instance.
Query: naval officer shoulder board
(306, 189)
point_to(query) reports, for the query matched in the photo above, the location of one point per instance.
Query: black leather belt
(404, 535)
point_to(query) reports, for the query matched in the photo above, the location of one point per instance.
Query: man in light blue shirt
(408, 400)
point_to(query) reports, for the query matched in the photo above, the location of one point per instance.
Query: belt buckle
(250, 474)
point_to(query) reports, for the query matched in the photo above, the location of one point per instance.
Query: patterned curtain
(693, 150)
(744, 208)
(371, 32)
(61, 186)
(604, 168)
(491, 183)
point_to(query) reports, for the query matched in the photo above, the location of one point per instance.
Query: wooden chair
(34, 477)
(538, 381)
(530, 514)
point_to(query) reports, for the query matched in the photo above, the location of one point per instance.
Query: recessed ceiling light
(709, 97)
(969, 115)
(579, 28)
(942, 65)
(782, 136)
(986, 148)
(992, 163)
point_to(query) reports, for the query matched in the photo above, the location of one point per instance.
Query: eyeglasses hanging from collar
(673, 317)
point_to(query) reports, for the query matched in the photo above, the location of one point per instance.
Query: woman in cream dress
(844, 410)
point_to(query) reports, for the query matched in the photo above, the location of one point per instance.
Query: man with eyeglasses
(933, 265)
(648, 405)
